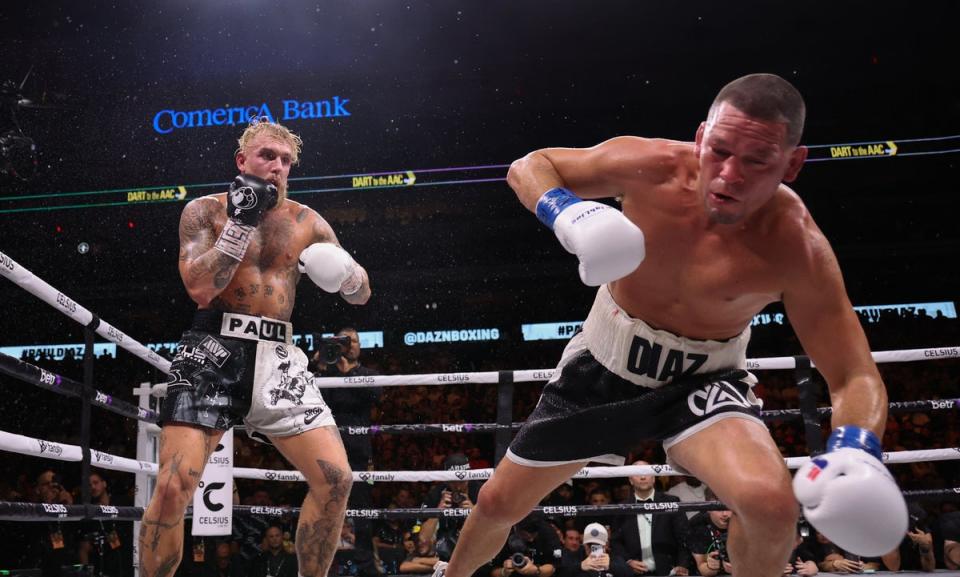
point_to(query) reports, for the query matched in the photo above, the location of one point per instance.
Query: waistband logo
(646, 359)
(252, 328)
(714, 397)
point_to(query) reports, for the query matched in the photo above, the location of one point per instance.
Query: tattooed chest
(270, 247)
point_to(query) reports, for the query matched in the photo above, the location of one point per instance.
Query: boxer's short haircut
(766, 97)
(264, 125)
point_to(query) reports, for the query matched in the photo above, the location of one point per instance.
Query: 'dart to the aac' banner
(213, 499)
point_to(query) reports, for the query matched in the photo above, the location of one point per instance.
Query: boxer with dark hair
(708, 236)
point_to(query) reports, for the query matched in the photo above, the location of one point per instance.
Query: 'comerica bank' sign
(168, 120)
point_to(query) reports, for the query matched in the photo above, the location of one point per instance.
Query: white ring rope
(42, 290)
(65, 452)
(532, 375)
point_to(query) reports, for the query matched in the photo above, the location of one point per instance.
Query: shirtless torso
(700, 280)
(265, 281)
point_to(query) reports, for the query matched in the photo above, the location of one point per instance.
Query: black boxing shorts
(621, 382)
(232, 368)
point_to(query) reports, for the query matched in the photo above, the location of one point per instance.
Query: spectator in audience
(707, 540)
(421, 556)
(688, 490)
(836, 560)
(248, 530)
(532, 549)
(598, 497)
(652, 544)
(593, 558)
(105, 544)
(388, 543)
(950, 527)
(50, 544)
(803, 560)
(442, 533)
(572, 540)
(915, 552)
(224, 563)
(274, 561)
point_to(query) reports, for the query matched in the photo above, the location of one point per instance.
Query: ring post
(504, 414)
(88, 389)
(808, 405)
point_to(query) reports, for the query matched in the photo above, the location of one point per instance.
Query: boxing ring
(144, 466)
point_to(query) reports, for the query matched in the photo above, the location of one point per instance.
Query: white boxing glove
(607, 244)
(331, 268)
(848, 495)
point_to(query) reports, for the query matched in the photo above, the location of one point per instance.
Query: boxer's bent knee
(770, 504)
(334, 482)
(175, 488)
(500, 505)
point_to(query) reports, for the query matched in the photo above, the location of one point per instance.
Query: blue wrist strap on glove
(553, 202)
(855, 438)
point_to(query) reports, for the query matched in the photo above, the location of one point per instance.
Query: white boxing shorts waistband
(649, 357)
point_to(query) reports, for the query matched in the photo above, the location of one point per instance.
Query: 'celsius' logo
(207, 501)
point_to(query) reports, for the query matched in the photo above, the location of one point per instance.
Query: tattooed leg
(321, 518)
(320, 456)
(183, 453)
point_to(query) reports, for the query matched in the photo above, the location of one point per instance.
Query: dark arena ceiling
(131, 104)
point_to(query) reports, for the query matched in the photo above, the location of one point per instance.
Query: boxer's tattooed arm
(201, 265)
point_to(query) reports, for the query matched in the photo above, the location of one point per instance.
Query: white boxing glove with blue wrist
(849, 495)
(608, 245)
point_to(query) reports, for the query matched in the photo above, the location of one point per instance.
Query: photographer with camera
(445, 531)
(532, 549)
(593, 559)
(707, 540)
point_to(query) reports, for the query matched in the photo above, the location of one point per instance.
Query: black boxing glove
(248, 200)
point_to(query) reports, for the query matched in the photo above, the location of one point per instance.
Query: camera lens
(519, 561)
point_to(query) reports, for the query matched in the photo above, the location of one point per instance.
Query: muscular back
(264, 283)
